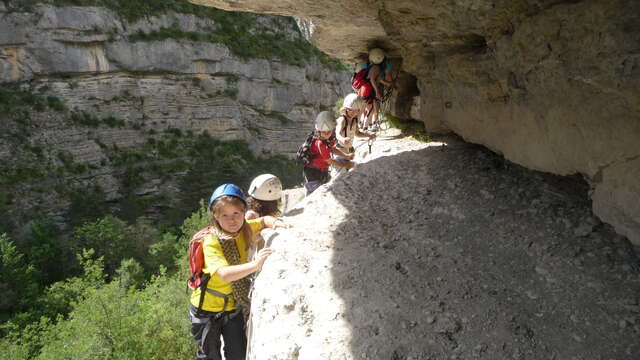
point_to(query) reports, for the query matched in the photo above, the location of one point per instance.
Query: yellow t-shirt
(213, 260)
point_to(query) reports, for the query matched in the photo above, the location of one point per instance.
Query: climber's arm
(236, 272)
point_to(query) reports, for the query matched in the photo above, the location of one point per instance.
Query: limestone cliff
(550, 84)
(119, 85)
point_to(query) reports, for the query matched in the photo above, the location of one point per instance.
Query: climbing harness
(385, 103)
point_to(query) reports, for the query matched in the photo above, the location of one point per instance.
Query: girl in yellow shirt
(225, 261)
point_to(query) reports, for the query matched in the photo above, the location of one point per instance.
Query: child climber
(263, 195)
(346, 131)
(316, 172)
(225, 261)
(379, 77)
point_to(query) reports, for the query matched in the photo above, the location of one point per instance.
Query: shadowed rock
(447, 252)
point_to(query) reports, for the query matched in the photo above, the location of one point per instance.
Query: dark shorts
(313, 178)
(206, 328)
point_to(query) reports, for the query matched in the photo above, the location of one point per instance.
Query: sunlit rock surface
(446, 251)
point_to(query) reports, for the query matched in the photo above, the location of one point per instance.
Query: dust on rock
(429, 253)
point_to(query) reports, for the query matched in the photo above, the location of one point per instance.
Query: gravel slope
(446, 252)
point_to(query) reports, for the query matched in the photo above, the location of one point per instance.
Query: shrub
(113, 122)
(110, 238)
(18, 280)
(85, 119)
(116, 323)
(45, 250)
(55, 103)
(6, 223)
(230, 92)
(130, 273)
(414, 128)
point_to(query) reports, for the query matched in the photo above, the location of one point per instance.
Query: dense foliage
(137, 311)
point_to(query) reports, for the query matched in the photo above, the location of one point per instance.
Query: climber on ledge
(316, 172)
(346, 131)
(217, 311)
(375, 75)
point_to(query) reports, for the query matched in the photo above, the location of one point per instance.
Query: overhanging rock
(552, 85)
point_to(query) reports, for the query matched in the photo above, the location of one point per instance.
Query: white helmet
(266, 187)
(376, 55)
(325, 121)
(353, 101)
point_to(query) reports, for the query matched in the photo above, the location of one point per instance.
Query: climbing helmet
(227, 190)
(266, 187)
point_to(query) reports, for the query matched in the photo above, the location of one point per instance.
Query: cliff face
(124, 84)
(189, 85)
(552, 85)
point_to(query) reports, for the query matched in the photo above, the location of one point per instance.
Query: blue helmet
(227, 190)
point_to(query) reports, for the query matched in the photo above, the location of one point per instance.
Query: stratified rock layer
(446, 252)
(93, 61)
(90, 58)
(554, 85)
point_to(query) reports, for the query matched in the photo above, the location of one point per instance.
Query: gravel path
(446, 251)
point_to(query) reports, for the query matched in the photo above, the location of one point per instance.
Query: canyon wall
(119, 85)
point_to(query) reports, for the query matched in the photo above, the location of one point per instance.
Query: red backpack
(196, 258)
(360, 78)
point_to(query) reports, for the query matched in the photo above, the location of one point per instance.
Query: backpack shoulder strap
(202, 233)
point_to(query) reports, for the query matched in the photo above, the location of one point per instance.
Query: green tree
(58, 298)
(18, 279)
(130, 273)
(110, 238)
(87, 204)
(27, 332)
(44, 248)
(114, 322)
(165, 252)
(6, 225)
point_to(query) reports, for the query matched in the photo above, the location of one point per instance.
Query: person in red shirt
(316, 172)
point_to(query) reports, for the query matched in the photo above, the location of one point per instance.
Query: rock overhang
(550, 84)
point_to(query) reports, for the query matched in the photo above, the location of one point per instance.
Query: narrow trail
(434, 251)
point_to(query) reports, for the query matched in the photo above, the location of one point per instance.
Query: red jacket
(320, 152)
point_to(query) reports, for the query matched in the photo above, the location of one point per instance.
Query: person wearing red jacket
(316, 172)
